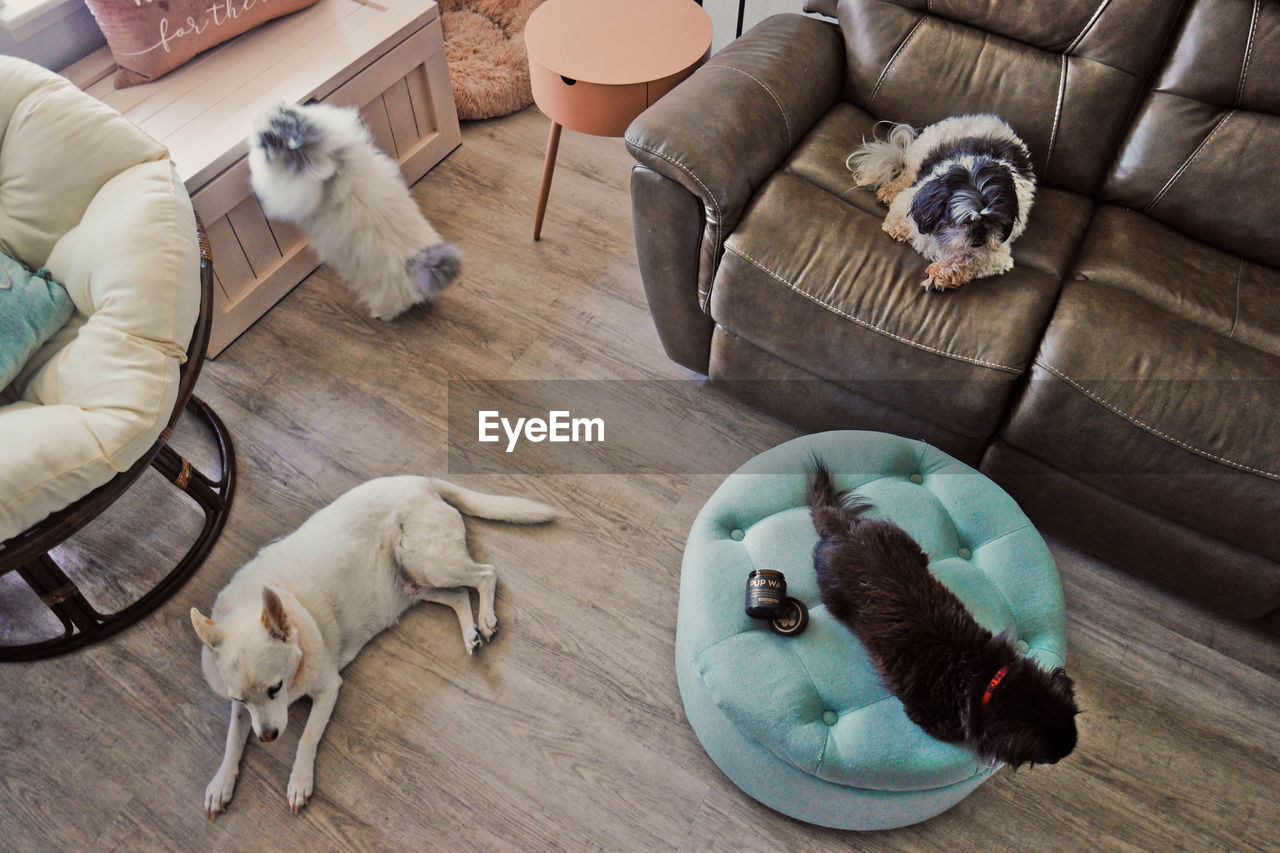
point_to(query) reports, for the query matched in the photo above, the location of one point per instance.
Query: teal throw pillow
(32, 308)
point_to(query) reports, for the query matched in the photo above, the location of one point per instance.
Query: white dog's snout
(267, 728)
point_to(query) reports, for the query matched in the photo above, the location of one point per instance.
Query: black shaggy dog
(958, 682)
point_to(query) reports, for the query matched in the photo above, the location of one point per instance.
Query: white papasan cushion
(91, 197)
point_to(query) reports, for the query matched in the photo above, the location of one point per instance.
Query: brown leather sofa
(1123, 380)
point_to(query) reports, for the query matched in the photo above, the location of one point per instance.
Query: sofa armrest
(722, 132)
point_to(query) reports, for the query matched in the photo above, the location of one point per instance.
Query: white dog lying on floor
(301, 610)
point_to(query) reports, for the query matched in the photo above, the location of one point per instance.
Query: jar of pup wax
(766, 591)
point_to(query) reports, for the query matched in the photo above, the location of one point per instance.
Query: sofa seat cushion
(1159, 379)
(809, 276)
(93, 399)
(1220, 291)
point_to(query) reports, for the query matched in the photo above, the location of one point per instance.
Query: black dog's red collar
(994, 683)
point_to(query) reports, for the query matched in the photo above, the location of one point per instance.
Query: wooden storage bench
(386, 58)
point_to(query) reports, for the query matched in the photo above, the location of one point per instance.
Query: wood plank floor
(567, 733)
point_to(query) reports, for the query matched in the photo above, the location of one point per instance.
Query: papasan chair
(91, 198)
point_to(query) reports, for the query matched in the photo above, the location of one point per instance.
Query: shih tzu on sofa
(316, 165)
(959, 192)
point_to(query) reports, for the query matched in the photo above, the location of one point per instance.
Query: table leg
(549, 166)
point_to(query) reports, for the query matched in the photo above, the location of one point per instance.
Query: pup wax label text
(560, 426)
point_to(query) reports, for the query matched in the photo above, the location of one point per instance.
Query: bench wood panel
(256, 240)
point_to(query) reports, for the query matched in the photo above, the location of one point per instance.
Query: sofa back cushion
(1066, 75)
(1202, 154)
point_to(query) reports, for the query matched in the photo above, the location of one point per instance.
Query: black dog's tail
(834, 512)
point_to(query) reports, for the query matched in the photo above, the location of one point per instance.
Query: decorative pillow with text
(150, 38)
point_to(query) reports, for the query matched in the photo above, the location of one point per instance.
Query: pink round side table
(594, 65)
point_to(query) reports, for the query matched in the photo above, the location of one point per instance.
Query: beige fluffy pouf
(488, 64)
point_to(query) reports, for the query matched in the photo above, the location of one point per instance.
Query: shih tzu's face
(969, 207)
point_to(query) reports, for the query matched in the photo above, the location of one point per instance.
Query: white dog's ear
(274, 619)
(206, 629)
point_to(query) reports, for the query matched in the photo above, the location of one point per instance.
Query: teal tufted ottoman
(804, 724)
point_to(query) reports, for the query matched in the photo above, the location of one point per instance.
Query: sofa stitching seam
(1238, 283)
(1151, 429)
(889, 65)
(868, 325)
(1248, 52)
(1057, 114)
(1187, 163)
(785, 119)
(1097, 13)
(706, 300)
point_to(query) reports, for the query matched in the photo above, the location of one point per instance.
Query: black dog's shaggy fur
(930, 651)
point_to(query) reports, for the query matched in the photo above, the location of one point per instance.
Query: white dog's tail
(496, 507)
(877, 162)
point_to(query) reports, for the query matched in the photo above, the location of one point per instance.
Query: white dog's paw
(471, 640)
(219, 792)
(301, 783)
(897, 228)
(390, 305)
(488, 627)
(940, 276)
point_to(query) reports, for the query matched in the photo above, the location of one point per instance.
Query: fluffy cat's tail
(435, 268)
(834, 512)
(877, 162)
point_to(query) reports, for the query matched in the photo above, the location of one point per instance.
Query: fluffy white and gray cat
(316, 166)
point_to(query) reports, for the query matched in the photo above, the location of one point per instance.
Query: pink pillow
(150, 38)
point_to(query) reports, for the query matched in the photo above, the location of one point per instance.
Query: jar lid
(792, 618)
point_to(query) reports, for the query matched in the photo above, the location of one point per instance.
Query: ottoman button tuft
(964, 553)
(736, 534)
(829, 717)
(917, 478)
